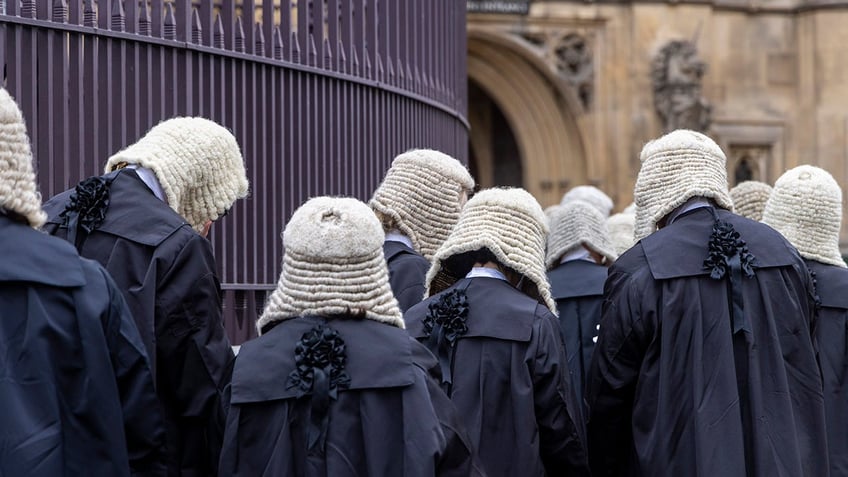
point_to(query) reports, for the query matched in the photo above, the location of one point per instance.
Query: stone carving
(748, 162)
(574, 62)
(676, 72)
(569, 55)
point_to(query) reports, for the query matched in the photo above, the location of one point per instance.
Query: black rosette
(444, 324)
(320, 359)
(729, 257)
(87, 208)
(725, 243)
(450, 312)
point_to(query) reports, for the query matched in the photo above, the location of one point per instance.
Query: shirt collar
(579, 253)
(149, 178)
(486, 272)
(689, 205)
(396, 236)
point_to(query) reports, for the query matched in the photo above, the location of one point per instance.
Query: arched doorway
(494, 156)
(524, 129)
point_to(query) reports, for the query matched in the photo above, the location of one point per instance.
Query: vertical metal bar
(131, 15)
(293, 121)
(156, 16)
(345, 37)
(316, 40)
(392, 29)
(207, 21)
(104, 14)
(42, 9)
(273, 134)
(358, 40)
(286, 27)
(74, 11)
(105, 95)
(303, 28)
(369, 61)
(242, 126)
(251, 126)
(332, 43)
(384, 27)
(248, 14)
(228, 14)
(76, 117)
(45, 91)
(268, 27)
(184, 16)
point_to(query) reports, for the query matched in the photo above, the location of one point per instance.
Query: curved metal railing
(321, 95)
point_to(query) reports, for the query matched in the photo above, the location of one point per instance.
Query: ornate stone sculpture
(570, 56)
(676, 72)
(574, 61)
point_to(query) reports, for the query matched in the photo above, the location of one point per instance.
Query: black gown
(674, 391)
(166, 272)
(510, 382)
(390, 419)
(407, 272)
(72, 367)
(578, 288)
(832, 338)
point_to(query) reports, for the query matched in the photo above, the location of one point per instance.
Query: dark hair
(459, 265)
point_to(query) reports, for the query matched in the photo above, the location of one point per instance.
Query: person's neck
(488, 265)
(511, 277)
(689, 205)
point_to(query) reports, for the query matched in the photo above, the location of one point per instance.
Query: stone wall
(775, 83)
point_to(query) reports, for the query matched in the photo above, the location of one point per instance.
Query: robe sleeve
(457, 457)
(561, 446)
(143, 420)
(409, 288)
(613, 373)
(195, 359)
(229, 450)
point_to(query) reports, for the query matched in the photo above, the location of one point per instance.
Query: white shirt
(486, 272)
(580, 253)
(396, 236)
(149, 178)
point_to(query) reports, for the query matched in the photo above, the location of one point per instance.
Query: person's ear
(206, 227)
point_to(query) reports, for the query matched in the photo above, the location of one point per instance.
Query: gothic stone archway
(541, 110)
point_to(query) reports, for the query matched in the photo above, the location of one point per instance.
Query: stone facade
(584, 85)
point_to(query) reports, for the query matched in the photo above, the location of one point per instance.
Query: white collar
(579, 253)
(486, 272)
(149, 178)
(691, 204)
(397, 236)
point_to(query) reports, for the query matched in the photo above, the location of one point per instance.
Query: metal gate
(320, 94)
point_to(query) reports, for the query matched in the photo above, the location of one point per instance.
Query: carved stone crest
(677, 74)
(574, 61)
(570, 56)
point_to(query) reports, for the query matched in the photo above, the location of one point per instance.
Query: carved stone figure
(676, 73)
(570, 56)
(574, 61)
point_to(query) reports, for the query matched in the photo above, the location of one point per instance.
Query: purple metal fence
(321, 95)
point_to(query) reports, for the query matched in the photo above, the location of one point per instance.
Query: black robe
(407, 273)
(166, 272)
(392, 419)
(673, 391)
(832, 338)
(578, 288)
(510, 381)
(72, 367)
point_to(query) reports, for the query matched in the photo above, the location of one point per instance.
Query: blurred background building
(563, 93)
